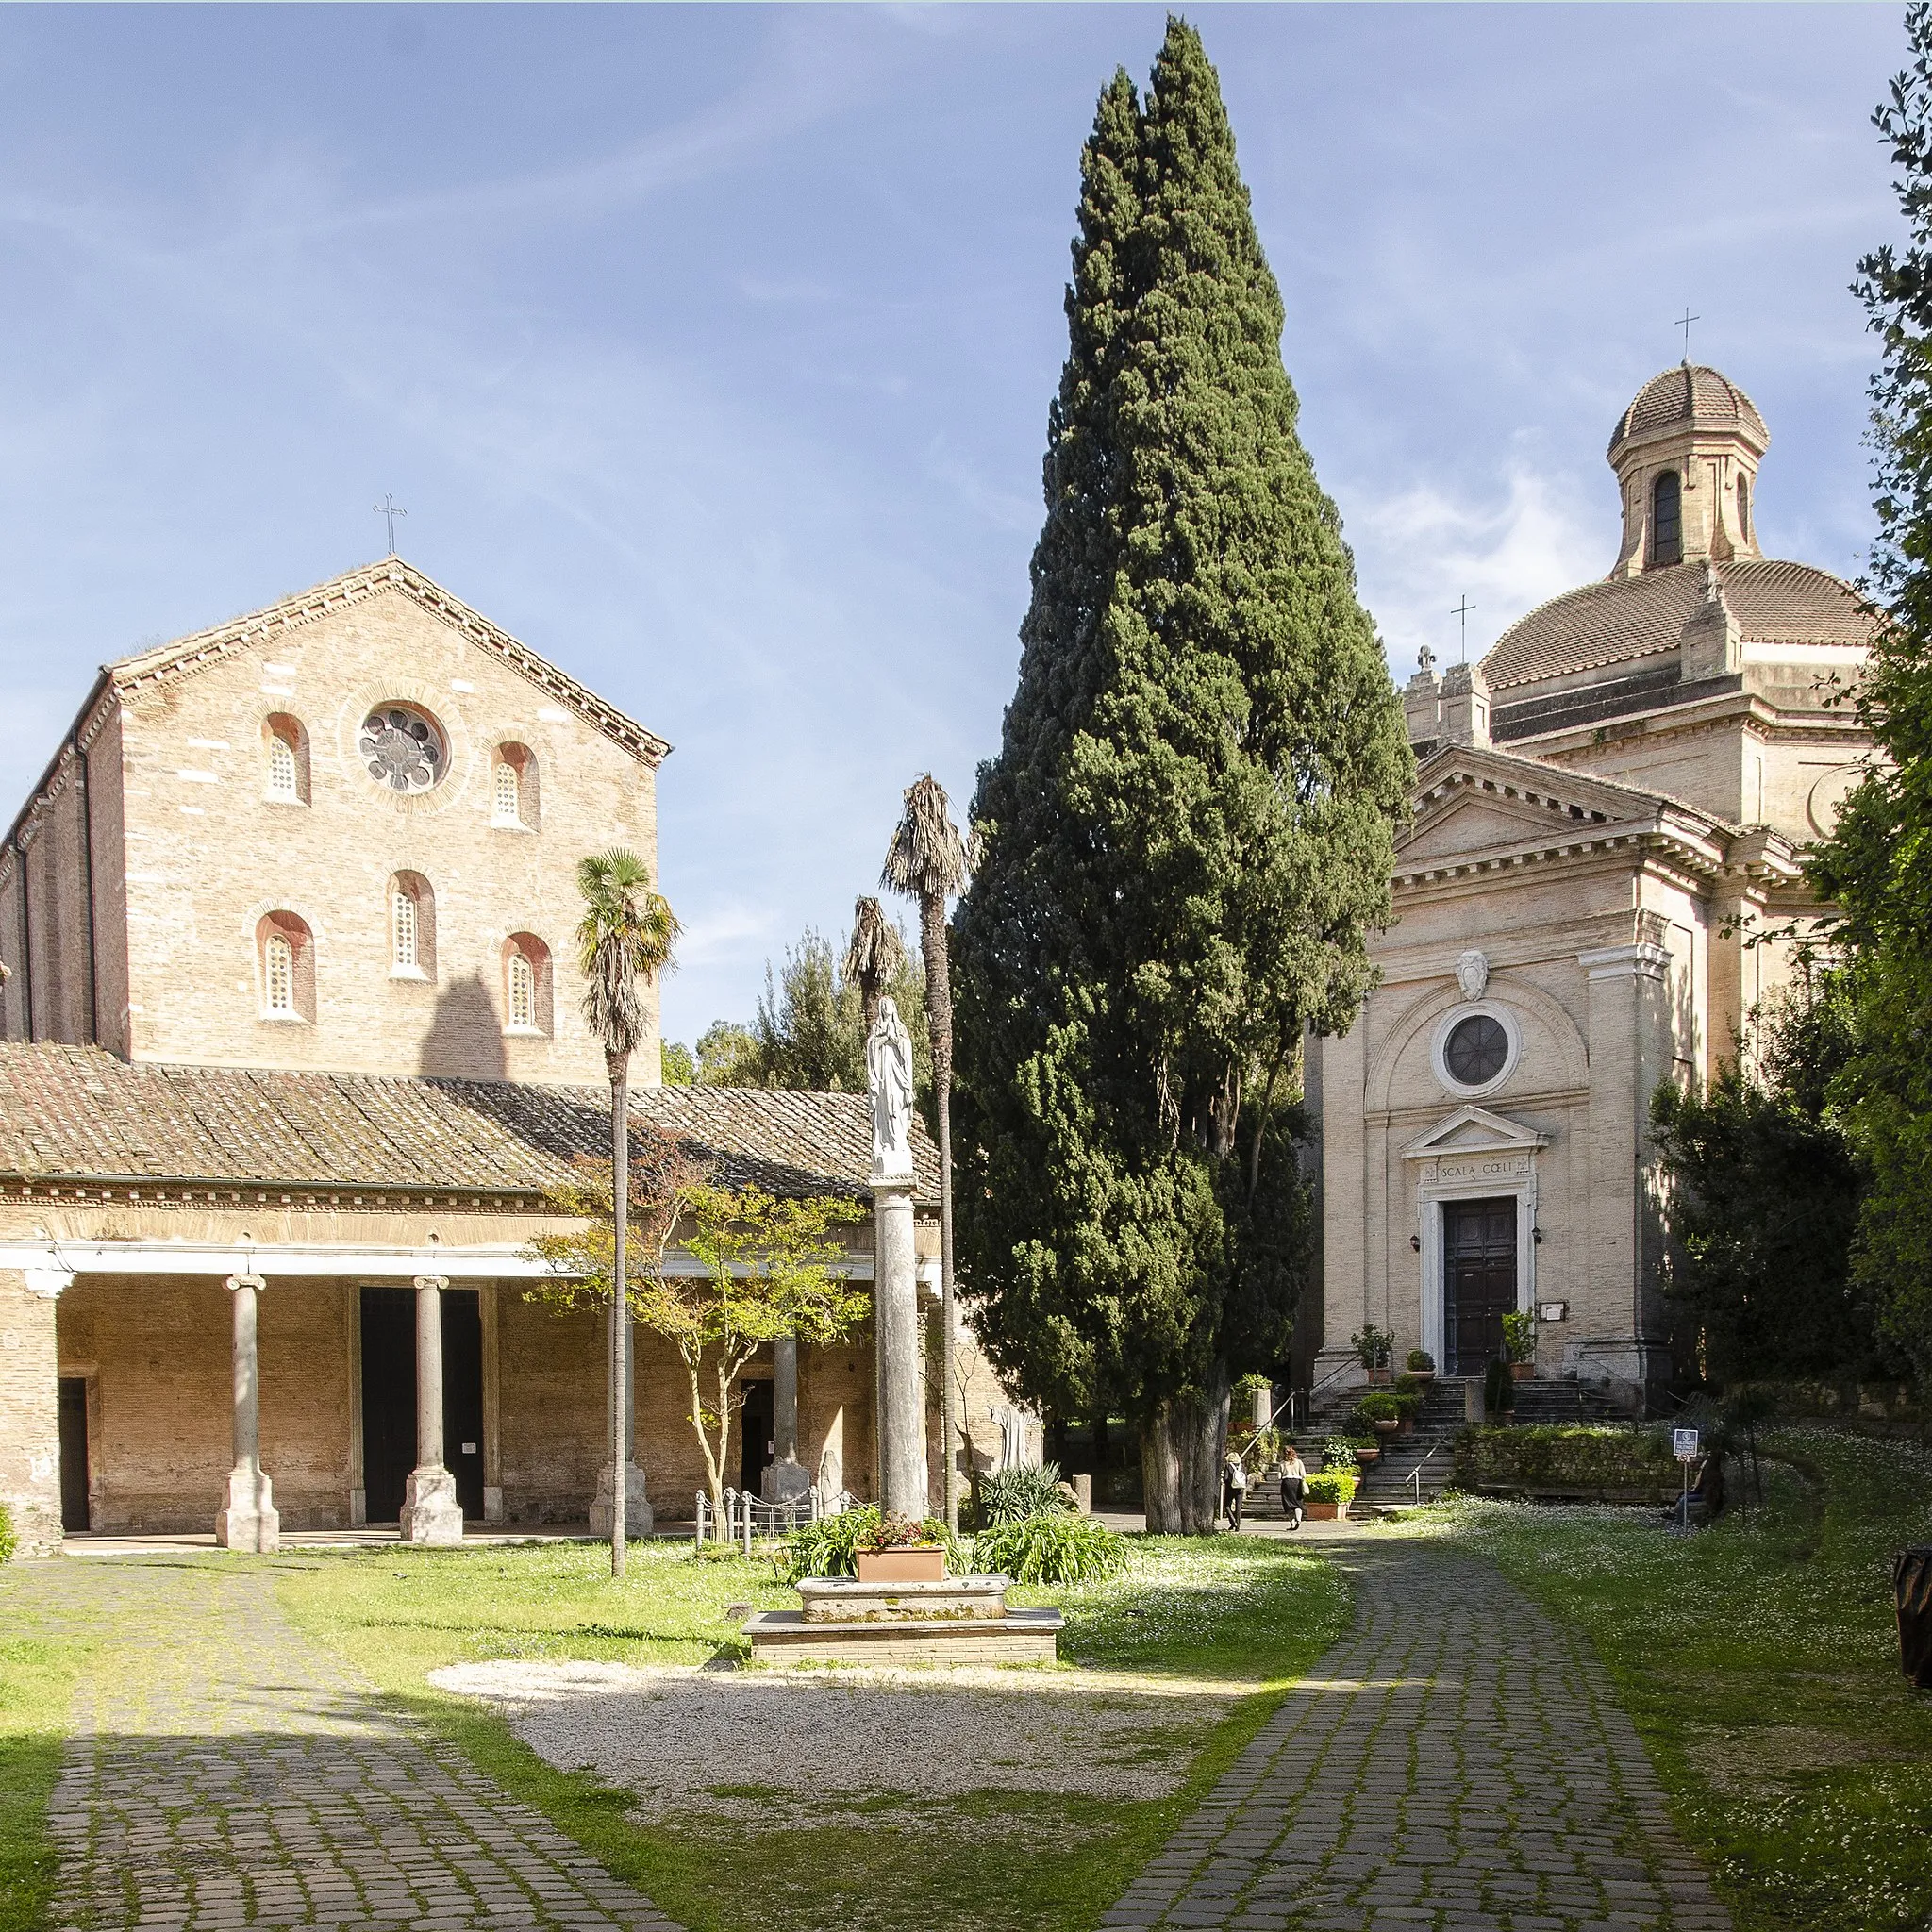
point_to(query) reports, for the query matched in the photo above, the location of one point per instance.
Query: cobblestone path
(227, 1773)
(1457, 1763)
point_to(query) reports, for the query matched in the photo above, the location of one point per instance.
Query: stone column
(248, 1521)
(896, 1310)
(786, 1479)
(639, 1517)
(30, 1405)
(431, 1513)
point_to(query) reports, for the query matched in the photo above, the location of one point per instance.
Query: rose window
(402, 747)
(1476, 1050)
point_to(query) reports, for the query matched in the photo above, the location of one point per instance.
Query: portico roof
(79, 1115)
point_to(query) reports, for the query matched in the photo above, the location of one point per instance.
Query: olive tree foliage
(1878, 867)
(771, 1267)
(1188, 832)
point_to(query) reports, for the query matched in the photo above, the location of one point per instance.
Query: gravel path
(685, 1739)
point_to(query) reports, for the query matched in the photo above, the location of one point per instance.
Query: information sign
(1684, 1444)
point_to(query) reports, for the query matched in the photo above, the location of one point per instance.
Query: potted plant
(1329, 1492)
(1519, 1338)
(1421, 1365)
(1374, 1348)
(1406, 1403)
(897, 1551)
(1381, 1413)
(1365, 1449)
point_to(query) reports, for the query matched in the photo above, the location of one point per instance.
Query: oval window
(402, 748)
(1476, 1051)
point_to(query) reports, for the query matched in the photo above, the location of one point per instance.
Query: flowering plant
(892, 1532)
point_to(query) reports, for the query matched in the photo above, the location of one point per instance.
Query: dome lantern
(1686, 455)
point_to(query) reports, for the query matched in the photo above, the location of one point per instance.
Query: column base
(431, 1513)
(249, 1519)
(789, 1481)
(638, 1518)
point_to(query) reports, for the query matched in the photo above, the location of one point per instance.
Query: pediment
(1474, 1130)
(1467, 820)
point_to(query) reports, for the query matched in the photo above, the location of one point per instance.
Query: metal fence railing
(745, 1516)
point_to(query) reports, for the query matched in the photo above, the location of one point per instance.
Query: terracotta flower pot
(1386, 1425)
(1365, 1457)
(915, 1563)
(1323, 1512)
(1378, 1377)
(1423, 1376)
(1521, 1372)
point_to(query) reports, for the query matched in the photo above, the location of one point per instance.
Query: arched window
(285, 959)
(1744, 507)
(526, 992)
(285, 745)
(411, 927)
(1666, 520)
(513, 789)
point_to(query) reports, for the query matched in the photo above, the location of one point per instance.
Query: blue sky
(710, 348)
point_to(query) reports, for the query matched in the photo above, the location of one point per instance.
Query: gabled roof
(1472, 1130)
(1621, 620)
(185, 656)
(79, 1114)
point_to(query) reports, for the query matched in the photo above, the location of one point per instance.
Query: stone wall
(29, 1415)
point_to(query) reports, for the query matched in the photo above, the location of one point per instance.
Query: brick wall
(29, 1416)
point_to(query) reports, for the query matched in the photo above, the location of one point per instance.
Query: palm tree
(874, 956)
(625, 938)
(929, 861)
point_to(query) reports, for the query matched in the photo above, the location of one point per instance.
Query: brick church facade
(290, 1001)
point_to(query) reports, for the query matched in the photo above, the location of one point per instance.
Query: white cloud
(1426, 549)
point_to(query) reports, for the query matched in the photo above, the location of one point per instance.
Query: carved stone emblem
(1473, 972)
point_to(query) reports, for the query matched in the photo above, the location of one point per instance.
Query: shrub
(1499, 1388)
(1421, 1361)
(1333, 1485)
(830, 1546)
(1338, 1451)
(1052, 1549)
(1519, 1334)
(1567, 1458)
(1378, 1407)
(1374, 1346)
(8, 1541)
(1011, 1496)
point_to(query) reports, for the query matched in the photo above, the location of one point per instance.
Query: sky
(709, 348)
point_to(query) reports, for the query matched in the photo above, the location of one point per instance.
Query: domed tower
(1686, 453)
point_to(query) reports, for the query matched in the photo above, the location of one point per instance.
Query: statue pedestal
(248, 1519)
(896, 1315)
(786, 1481)
(431, 1513)
(639, 1517)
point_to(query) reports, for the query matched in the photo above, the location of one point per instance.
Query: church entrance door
(1479, 1280)
(388, 1397)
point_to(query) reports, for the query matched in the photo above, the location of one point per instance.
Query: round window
(402, 747)
(1476, 1051)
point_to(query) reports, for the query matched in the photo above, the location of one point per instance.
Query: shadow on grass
(30, 1767)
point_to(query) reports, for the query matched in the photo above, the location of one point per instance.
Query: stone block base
(638, 1518)
(431, 1513)
(1021, 1637)
(248, 1519)
(958, 1599)
(785, 1482)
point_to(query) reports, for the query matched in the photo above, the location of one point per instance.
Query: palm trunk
(619, 1065)
(939, 1007)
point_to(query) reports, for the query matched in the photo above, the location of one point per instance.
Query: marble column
(248, 1519)
(896, 1310)
(639, 1517)
(786, 1479)
(431, 1513)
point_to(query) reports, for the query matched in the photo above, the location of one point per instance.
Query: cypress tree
(1188, 827)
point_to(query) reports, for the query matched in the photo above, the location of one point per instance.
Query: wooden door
(1479, 1280)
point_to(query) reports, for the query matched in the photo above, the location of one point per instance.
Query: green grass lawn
(993, 1860)
(1759, 1661)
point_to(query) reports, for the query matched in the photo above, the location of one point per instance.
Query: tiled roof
(1623, 618)
(73, 1112)
(1691, 396)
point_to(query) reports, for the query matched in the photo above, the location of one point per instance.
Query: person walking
(1237, 1483)
(1294, 1484)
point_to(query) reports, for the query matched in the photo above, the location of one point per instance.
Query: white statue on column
(889, 1073)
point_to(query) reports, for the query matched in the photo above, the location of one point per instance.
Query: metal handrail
(1415, 1476)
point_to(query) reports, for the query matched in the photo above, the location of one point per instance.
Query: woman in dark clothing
(1294, 1482)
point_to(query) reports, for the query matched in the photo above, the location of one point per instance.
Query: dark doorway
(388, 1397)
(74, 1484)
(754, 1422)
(1479, 1280)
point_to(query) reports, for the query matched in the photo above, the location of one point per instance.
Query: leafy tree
(770, 1270)
(927, 861)
(679, 1064)
(728, 1055)
(625, 938)
(1188, 825)
(1763, 1200)
(1878, 867)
